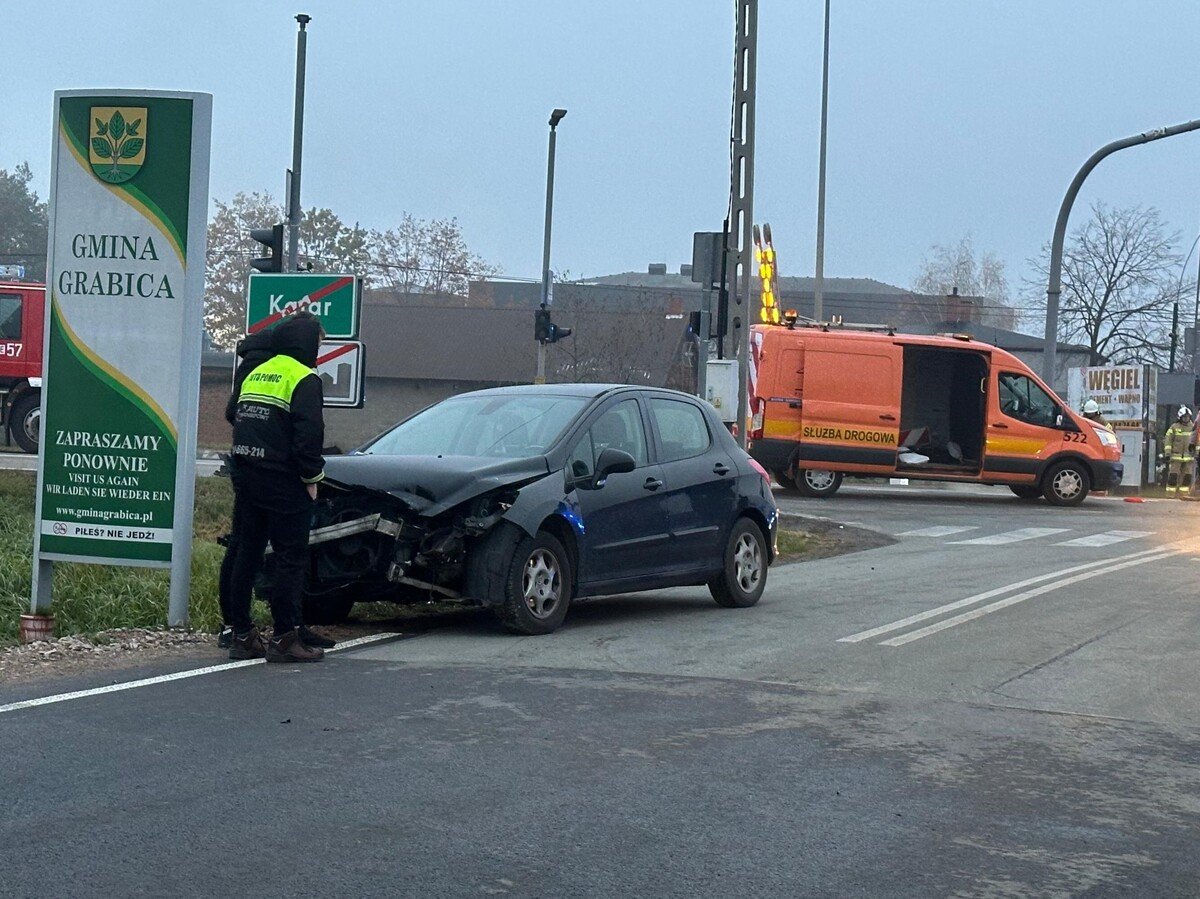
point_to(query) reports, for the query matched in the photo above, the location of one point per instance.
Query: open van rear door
(851, 406)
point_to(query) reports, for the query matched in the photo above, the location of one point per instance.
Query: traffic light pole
(297, 146)
(555, 118)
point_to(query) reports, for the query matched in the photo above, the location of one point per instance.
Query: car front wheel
(537, 592)
(744, 577)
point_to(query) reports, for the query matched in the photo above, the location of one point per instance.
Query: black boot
(225, 637)
(288, 647)
(247, 646)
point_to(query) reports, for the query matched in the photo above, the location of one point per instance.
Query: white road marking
(1108, 538)
(987, 594)
(1020, 597)
(938, 530)
(1009, 537)
(167, 678)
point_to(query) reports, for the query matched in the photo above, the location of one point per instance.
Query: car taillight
(762, 471)
(756, 426)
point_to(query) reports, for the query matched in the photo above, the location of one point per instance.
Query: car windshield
(506, 426)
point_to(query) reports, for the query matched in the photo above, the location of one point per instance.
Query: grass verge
(90, 598)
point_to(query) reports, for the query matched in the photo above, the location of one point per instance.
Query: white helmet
(1091, 407)
(1184, 412)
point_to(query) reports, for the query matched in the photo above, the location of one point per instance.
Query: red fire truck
(22, 307)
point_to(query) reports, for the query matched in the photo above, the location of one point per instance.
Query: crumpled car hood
(432, 484)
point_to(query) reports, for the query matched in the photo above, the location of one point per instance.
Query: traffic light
(544, 330)
(272, 239)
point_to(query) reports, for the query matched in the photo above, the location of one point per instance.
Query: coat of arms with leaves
(118, 144)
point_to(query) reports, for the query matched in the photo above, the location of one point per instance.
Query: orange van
(830, 402)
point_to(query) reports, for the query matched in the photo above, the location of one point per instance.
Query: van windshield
(1023, 399)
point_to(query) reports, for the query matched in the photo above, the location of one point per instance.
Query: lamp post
(293, 199)
(555, 117)
(819, 280)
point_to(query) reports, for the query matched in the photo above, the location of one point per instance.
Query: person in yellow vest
(1178, 450)
(276, 464)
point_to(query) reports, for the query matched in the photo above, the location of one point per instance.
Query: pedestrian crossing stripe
(1105, 538)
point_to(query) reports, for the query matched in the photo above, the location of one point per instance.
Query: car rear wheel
(25, 418)
(816, 483)
(1026, 492)
(741, 583)
(537, 591)
(1066, 484)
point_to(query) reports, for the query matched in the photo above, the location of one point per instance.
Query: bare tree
(420, 256)
(952, 267)
(1121, 278)
(624, 342)
(325, 241)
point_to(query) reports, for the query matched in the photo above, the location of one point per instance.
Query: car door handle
(652, 483)
(888, 417)
(721, 468)
(999, 424)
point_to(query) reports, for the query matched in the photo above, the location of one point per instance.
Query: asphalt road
(1000, 703)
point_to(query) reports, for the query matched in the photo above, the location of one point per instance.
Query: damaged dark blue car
(522, 499)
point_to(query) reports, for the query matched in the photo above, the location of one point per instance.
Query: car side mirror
(611, 461)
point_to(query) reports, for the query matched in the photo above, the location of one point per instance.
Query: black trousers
(268, 506)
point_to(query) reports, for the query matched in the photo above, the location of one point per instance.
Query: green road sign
(334, 299)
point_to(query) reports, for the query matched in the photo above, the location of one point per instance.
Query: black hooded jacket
(285, 438)
(252, 352)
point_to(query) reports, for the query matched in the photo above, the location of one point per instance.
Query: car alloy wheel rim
(819, 480)
(1067, 484)
(542, 583)
(747, 563)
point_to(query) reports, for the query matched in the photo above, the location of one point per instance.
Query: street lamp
(555, 117)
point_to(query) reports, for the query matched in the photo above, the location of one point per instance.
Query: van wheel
(819, 484)
(786, 481)
(1027, 492)
(1066, 484)
(25, 418)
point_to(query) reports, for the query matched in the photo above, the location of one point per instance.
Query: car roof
(589, 391)
(584, 390)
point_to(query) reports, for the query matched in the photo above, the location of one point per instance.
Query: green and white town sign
(129, 198)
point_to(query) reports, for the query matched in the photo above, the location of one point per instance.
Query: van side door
(851, 411)
(1023, 428)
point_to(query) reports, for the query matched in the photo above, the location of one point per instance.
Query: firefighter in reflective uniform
(1091, 411)
(1178, 447)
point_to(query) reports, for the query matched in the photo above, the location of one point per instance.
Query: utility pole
(555, 117)
(741, 205)
(819, 285)
(297, 146)
(1054, 288)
